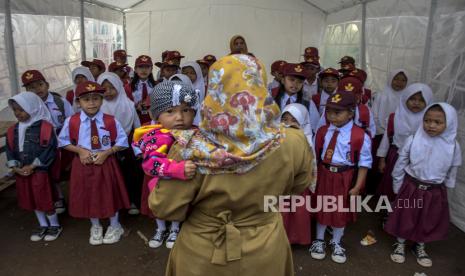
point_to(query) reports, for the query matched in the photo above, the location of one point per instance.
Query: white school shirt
(403, 166)
(371, 126)
(342, 148)
(84, 134)
(312, 110)
(310, 89)
(137, 94)
(324, 96)
(58, 118)
(384, 145)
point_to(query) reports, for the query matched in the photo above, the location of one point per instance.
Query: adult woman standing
(242, 154)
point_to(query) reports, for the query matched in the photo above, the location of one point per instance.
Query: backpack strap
(357, 136)
(58, 99)
(110, 125)
(10, 136)
(390, 127)
(74, 124)
(319, 141)
(363, 116)
(70, 96)
(46, 130)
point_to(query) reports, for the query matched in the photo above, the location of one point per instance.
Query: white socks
(320, 231)
(114, 221)
(337, 233)
(161, 225)
(174, 226)
(53, 219)
(41, 218)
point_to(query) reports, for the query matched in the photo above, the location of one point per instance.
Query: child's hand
(189, 169)
(85, 156)
(382, 165)
(100, 157)
(354, 191)
(28, 170)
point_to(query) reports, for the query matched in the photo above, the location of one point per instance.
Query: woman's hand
(189, 169)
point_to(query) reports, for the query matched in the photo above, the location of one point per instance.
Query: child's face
(95, 70)
(204, 68)
(110, 91)
(311, 71)
(40, 88)
(399, 82)
(329, 84)
(416, 103)
(289, 120)
(19, 112)
(190, 73)
(90, 103)
(143, 71)
(239, 45)
(338, 117)
(80, 79)
(120, 60)
(434, 122)
(177, 117)
(293, 84)
(168, 71)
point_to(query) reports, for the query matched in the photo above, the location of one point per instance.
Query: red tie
(144, 91)
(330, 149)
(94, 138)
(288, 101)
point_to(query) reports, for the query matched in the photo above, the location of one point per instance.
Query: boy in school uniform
(347, 65)
(96, 67)
(329, 79)
(277, 73)
(121, 57)
(170, 64)
(312, 66)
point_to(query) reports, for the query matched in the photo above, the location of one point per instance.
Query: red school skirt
(419, 215)
(385, 186)
(334, 184)
(34, 192)
(96, 191)
(298, 224)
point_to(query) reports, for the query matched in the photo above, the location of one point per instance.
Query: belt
(424, 186)
(226, 234)
(337, 169)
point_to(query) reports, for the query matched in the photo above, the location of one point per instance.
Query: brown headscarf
(231, 45)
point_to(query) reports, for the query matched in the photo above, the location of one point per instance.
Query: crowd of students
(110, 137)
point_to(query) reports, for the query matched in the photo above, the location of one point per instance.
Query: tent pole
(125, 37)
(429, 34)
(363, 38)
(10, 49)
(83, 33)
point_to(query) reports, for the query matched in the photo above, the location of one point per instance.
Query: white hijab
(184, 79)
(199, 83)
(300, 113)
(80, 70)
(37, 110)
(388, 100)
(405, 121)
(433, 156)
(121, 107)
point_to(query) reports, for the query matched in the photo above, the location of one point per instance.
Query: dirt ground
(71, 254)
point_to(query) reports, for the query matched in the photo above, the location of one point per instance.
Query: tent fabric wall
(273, 29)
(4, 71)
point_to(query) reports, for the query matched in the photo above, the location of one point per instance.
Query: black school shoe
(53, 232)
(422, 258)
(60, 206)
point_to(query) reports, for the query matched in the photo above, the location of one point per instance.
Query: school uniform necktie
(330, 149)
(288, 102)
(94, 138)
(144, 91)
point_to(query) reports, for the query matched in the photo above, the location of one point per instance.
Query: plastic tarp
(4, 73)
(272, 29)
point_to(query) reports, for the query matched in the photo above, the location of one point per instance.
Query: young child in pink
(172, 106)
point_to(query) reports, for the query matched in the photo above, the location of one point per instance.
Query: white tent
(425, 37)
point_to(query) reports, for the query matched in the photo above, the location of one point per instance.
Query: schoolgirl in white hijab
(37, 110)
(301, 115)
(199, 87)
(121, 107)
(386, 102)
(84, 71)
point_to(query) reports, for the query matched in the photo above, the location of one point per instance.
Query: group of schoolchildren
(111, 134)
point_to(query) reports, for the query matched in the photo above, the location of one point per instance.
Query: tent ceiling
(327, 6)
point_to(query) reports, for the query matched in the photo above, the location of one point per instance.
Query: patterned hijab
(240, 122)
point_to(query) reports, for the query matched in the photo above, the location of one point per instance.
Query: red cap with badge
(360, 74)
(311, 52)
(294, 69)
(172, 58)
(347, 63)
(278, 66)
(31, 76)
(341, 101)
(350, 84)
(120, 54)
(329, 72)
(115, 66)
(97, 62)
(210, 59)
(144, 60)
(89, 87)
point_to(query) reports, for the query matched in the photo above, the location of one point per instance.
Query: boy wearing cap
(361, 75)
(343, 152)
(276, 72)
(290, 91)
(329, 79)
(347, 65)
(97, 188)
(121, 57)
(169, 64)
(312, 65)
(96, 67)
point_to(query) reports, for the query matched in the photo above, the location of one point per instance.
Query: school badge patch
(106, 140)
